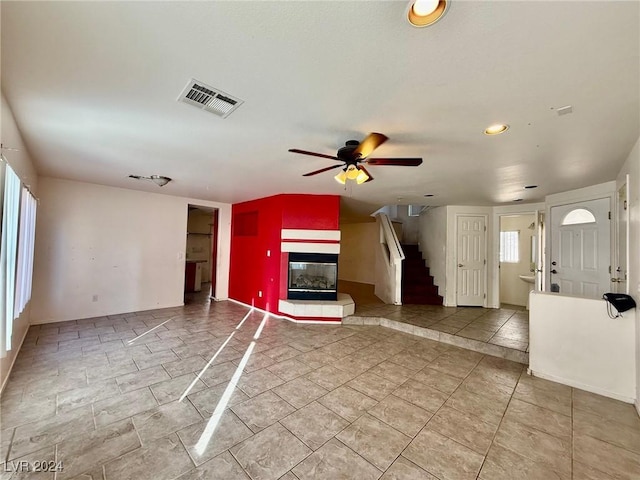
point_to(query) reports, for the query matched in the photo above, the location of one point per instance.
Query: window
(579, 215)
(509, 247)
(16, 252)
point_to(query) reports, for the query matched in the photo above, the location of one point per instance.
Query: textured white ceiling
(93, 87)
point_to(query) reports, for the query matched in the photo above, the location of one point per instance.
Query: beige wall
(22, 164)
(104, 250)
(512, 289)
(632, 167)
(358, 244)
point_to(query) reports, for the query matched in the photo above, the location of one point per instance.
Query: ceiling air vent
(208, 98)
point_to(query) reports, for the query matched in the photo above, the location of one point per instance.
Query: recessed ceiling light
(422, 13)
(496, 129)
(528, 187)
(518, 200)
(428, 195)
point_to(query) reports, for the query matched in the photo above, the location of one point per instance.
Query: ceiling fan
(354, 155)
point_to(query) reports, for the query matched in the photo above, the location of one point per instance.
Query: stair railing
(389, 257)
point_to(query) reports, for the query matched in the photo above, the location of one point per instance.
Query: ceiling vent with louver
(208, 98)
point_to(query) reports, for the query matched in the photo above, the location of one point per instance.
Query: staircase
(417, 284)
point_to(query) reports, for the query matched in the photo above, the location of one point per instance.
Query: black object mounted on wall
(620, 301)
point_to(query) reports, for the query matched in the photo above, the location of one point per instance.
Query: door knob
(460, 265)
(554, 271)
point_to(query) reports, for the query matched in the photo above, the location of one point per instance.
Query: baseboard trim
(582, 386)
(4, 383)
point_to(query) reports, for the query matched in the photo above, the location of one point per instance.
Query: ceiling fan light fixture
(159, 180)
(422, 13)
(352, 172)
(341, 177)
(362, 177)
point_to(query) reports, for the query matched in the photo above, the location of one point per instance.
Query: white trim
(582, 386)
(297, 234)
(310, 247)
(15, 357)
(284, 317)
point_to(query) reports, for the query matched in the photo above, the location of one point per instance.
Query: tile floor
(280, 400)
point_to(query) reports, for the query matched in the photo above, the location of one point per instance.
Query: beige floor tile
(453, 365)
(536, 445)
(270, 454)
(503, 464)
(289, 369)
(329, 377)
(373, 385)
(464, 428)
(392, 371)
(558, 401)
(350, 404)
(403, 469)
(401, 415)
(142, 378)
(164, 420)
(257, 382)
(262, 410)
(438, 380)
(619, 434)
(375, 441)
(122, 406)
(539, 418)
(421, 395)
(606, 407)
(442, 457)
(489, 410)
(314, 424)
(616, 461)
(585, 472)
(334, 460)
(222, 467)
(85, 452)
(299, 392)
(163, 459)
(207, 440)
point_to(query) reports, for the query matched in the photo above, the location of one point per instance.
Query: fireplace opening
(313, 276)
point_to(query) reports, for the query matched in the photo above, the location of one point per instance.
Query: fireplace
(313, 276)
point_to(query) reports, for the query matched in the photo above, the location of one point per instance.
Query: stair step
(417, 283)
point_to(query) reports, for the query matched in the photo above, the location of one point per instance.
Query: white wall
(410, 225)
(124, 246)
(357, 259)
(632, 167)
(22, 164)
(512, 289)
(573, 341)
(432, 240)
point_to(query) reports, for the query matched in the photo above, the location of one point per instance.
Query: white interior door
(471, 257)
(581, 248)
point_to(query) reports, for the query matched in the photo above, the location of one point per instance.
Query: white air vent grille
(208, 98)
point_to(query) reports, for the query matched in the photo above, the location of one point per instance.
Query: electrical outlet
(94, 298)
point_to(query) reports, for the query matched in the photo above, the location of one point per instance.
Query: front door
(471, 257)
(581, 248)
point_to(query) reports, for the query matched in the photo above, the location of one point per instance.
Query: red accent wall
(255, 229)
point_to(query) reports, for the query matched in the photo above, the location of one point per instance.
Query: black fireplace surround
(313, 276)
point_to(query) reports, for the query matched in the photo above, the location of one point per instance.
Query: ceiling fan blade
(369, 144)
(314, 154)
(367, 172)
(403, 162)
(321, 170)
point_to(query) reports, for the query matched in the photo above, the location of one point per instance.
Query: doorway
(201, 250)
(518, 251)
(580, 254)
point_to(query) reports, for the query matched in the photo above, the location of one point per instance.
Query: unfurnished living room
(320, 240)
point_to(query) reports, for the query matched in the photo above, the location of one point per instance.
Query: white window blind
(509, 249)
(26, 242)
(8, 255)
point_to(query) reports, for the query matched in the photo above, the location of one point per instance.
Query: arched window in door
(578, 216)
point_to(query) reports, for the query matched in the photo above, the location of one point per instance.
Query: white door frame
(455, 229)
(524, 209)
(595, 192)
(622, 210)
